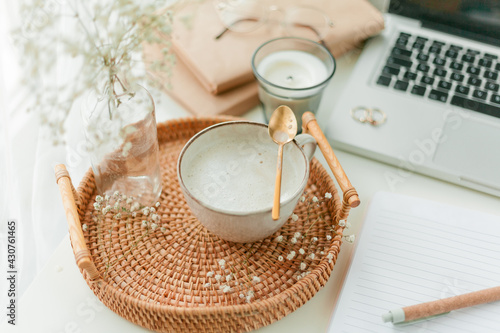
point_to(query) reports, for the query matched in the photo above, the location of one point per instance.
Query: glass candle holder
(294, 72)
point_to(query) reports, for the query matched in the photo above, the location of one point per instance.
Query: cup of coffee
(227, 173)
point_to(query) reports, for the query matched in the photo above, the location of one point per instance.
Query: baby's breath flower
(116, 194)
(242, 295)
(134, 214)
(249, 298)
(144, 223)
(210, 274)
(155, 217)
(293, 240)
(129, 201)
(328, 237)
(117, 206)
(280, 258)
(303, 266)
(342, 223)
(226, 289)
(350, 238)
(145, 211)
(314, 239)
(106, 210)
(229, 277)
(106, 198)
(117, 216)
(207, 285)
(315, 199)
(157, 204)
(97, 206)
(295, 217)
(124, 197)
(312, 256)
(329, 257)
(135, 206)
(348, 224)
(163, 229)
(218, 277)
(279, 239)
(328, 195)
(152, 209)
(302, 198)
(222, 263)
(98, 198)
(154, 226)
(302, 251)
(255, 279)
(291, 255)
(84, 227)
(297, 234)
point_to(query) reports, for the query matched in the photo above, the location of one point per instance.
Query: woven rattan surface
(167, 279)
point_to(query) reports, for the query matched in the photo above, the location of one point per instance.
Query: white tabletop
(58, 300)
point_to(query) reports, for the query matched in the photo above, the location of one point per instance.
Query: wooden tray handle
(69, 196)
(351, 198)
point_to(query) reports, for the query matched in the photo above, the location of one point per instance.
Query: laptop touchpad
(471, 147)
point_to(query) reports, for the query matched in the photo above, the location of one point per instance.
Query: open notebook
(412, 251)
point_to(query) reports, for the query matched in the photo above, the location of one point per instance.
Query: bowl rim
(228, 212)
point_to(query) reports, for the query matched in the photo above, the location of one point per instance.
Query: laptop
(434, 75)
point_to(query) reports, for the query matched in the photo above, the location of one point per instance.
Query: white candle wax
(293, 69)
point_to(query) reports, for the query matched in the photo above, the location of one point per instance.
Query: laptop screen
(474, 19)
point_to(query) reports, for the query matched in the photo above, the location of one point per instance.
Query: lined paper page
(412, 251)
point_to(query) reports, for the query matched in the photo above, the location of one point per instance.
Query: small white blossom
(116, 194)
(255, 279)
(342, 223)
(135, 206)
(291, 255)
(106, 209)
(207, 285)
(350, 238)
(84, 227)
(312, 256)
(124, 197)
(154, 226)
(303, 266)
(328, 237)
(218, 277)
(297, 234)
(152, 209)
(222, 263)
(129, 201)
(117, 206)
(328, 195)
(117, 216)
(229, 277)
(155, 217)
(145, 211)
(134, 214)
(348, 224)
(314, 239)
(242, 295)
(97, 206)
(210, 274)
(157, 204)
(226, 289)
(249, 298)
(322, 252)
(295, 217)
(329, 257)
(106, 198)
(144, 223)
(315, 199)
(163, 229)
(98, 198)
(293, 240)
(302, 198)
(301, 251)
(280, 258)
(279, 239)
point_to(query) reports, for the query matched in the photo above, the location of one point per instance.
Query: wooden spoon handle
(277, 185)
(310, 126)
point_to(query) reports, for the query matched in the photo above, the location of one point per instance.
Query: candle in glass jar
(293, 69)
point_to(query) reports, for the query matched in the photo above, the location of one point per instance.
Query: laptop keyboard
(443, 72)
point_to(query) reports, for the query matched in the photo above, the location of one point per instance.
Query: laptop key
(440, 72)
(491, 56)
(439, 61)
(456, 66)
(435, 49)
(466, 103)
(495, 99)
(422, 57)
(473, 70)
(456, 47)
(475, 52)
(491, 86)
(423, 67)
(470, 58)
(426, 80)
(401, 85)
(444, 85)
(399, 62)
(390, 70)
(410, 75)
(438, 95)
(474, 81)
(451, 53)
(462, 89)
(479, 94)
(457, 77)
(485, 62)
(418, 45)
(384, 80)
(418, 90)
(401, 52)
(490, 75)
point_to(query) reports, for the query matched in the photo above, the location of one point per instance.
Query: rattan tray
(159, 280)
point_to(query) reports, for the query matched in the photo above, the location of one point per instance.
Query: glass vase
(120, 127)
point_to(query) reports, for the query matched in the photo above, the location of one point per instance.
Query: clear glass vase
(120, 127)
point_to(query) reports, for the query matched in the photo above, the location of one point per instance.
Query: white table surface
(58, 300)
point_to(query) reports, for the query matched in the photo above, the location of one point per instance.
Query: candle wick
(289, 78)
